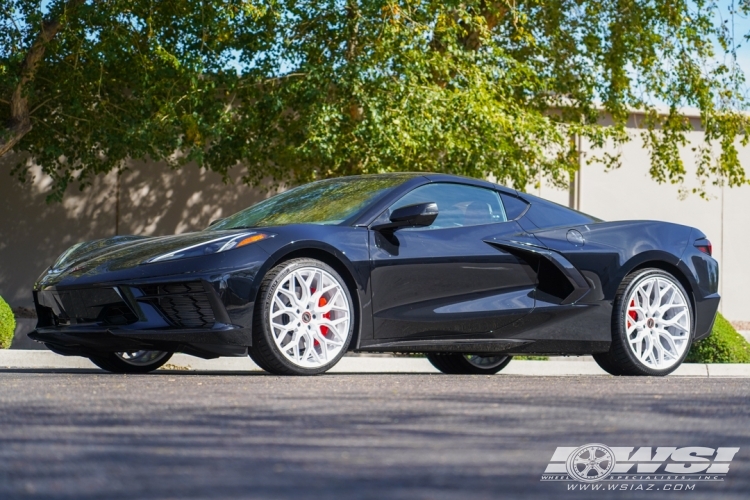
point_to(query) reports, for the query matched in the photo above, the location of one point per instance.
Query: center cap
(650, 322)
(306, 317)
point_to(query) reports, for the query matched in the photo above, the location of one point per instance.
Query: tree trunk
(20, 118)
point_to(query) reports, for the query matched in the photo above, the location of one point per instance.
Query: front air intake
(184, 305)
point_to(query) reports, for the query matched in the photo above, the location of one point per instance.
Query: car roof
(437, 177)
(440, 177)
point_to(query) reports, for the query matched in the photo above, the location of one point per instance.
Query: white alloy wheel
(657, 323)
(309, 317)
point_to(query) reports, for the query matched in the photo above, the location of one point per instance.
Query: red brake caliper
(321, 303)
(632, 312)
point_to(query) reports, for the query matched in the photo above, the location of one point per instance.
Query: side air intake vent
(559, 280)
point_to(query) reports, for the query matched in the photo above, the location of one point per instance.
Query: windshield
(330, 201)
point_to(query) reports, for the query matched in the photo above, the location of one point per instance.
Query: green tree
(296, 90)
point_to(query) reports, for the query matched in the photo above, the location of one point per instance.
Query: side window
(514, 207)
(459, 205)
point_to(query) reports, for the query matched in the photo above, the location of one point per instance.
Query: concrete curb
(47, 360)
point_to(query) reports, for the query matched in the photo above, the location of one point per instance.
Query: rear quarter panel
(611, 250)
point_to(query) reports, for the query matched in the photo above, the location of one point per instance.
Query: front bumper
(156, 314)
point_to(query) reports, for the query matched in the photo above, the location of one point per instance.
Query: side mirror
(419, 215)
(216, 221)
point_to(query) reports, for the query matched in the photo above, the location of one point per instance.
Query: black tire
(258, 360)
(113, 363)
(264, 351)
(621, 360)
(602, 359)
(458, 364)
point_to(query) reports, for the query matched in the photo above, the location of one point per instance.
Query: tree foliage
(7, 325)
(296, 90)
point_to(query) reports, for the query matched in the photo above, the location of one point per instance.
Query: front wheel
(652, 325)
(131, 362)
(304, 319)
(468, 364)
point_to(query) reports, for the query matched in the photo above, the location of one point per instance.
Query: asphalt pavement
(364, 364)
(84, 434)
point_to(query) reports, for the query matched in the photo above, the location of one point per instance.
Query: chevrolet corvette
(465, 271)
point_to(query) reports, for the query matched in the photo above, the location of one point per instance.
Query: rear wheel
(468, 364)
(131, 361)
(304, 321)
(652, 325)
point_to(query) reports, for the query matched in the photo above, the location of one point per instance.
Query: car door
(445, 280)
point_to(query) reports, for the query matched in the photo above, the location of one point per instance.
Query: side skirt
(505, 346)
(464, 345)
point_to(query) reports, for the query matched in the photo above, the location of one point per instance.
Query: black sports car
(466, 271)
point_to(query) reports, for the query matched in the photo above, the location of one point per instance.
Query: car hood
(120, 252)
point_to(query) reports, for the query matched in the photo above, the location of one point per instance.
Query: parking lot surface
(84, 434)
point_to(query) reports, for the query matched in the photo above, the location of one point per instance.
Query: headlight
(62, 259)
(214, 246)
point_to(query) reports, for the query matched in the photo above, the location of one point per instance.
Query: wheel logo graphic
(590, 462)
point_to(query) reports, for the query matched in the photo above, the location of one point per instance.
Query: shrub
(724, 345)
(7, 325)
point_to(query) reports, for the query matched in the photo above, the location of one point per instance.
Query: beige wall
(154, 200)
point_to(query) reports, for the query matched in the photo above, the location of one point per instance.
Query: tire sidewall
(279, 273)
(621, 310)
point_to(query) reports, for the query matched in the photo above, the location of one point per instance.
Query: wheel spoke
(282, 308)
(290, 294)
(633, 326)
(647, 352)
(330, 304)
(323, 342)
(335, 343)
(292, 342)
(674, 320)
(647, 292)
(322, 291)
(310, 346)
(673, 349)
(283, 328)
(658, 295)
